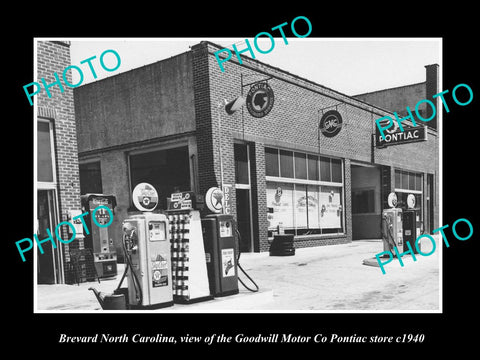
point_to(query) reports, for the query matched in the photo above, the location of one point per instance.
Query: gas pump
(147, 252)
(221, 254)
(392, 229)
(411, 228)
(99, 238)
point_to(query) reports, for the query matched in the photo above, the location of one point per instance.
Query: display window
(304, 193)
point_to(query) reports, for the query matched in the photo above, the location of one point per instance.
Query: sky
(348, 65)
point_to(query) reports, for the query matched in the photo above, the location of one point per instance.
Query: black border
(460, 65)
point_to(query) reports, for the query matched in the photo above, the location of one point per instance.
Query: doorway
(243, 195)
(366, 204)
(243, 219)
(50, 263)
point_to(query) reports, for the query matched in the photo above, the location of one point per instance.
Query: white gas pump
(392, 226)
(147, 252)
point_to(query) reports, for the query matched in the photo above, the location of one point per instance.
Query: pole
(219, 106)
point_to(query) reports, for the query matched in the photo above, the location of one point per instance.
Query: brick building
(57, 176)
(298, 155)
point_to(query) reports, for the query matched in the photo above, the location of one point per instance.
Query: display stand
(189, 268)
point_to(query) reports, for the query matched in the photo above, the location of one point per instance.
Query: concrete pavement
(324, 279)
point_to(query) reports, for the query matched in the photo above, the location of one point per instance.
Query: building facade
(58, 184)
(298, 156)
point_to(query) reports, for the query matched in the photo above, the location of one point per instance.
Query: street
(334, 278)
(324, 279)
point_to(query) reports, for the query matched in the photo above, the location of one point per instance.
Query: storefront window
(280, 201)
(305, 204)
(330, 208)
(409, 183)
(44, 152)
(286, 164)
(325, 173)
(301, 207)
(300, 166)
(405, 180)
(336, 170)
(167, 170)
(312, 167)
(313, 193)
(271, 162)
(241, 164)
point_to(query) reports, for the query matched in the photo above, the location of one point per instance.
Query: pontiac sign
(418, 133)
(260, 100)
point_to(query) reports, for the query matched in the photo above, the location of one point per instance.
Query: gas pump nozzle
(130, 237)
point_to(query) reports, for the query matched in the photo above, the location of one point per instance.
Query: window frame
(46, 185)
(152, 149)
(308, 182)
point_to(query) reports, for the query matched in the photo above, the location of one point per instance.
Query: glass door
(243, 196)
(50, 263)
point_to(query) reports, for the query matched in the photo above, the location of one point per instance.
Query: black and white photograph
(234, 160)
(221, 183)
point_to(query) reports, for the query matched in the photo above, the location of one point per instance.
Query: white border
(228, 40)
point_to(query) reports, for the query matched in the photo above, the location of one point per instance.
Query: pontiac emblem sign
(259, 100)
(406, 136)
(331, 123)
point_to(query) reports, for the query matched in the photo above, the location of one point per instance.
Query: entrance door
(243, 195)
(366, 204)
(429, 218)
(49, 264)
(243, 219)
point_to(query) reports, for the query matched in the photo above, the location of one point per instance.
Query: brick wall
(201, 86)
(54, 56)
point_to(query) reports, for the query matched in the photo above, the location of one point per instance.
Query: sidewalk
(326, 278)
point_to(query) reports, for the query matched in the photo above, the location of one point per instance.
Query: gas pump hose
(136, 282)
(240, 267)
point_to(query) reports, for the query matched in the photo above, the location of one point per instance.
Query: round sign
(145, 197)
(331, 123)
(102, 216)
(259, 100)
(213, 199)
(411, 201)
(392, 200)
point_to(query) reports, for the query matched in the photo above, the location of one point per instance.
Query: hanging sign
(145, 197)
(408, 135)
(331, 123)
(227, 199)
(214, 199)
(260, 100)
